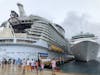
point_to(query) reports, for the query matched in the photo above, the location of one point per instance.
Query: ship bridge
(20, 22)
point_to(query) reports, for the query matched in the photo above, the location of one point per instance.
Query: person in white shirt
(28, 65)
(23, 65)
(32, 65)
(53, 64)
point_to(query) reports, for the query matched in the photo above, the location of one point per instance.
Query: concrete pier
(15, 70)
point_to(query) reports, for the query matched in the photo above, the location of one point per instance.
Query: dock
(15, 70)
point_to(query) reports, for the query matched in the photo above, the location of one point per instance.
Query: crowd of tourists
(27, 65)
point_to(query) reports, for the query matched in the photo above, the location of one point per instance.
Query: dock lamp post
(38, 61)
(38, 56)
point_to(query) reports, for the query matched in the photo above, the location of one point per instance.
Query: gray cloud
(75, 23)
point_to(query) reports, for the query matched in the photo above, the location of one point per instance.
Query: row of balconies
(17, 41)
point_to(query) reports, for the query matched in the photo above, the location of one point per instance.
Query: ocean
(90, 68)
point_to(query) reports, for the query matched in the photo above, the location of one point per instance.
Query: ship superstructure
(27, 36)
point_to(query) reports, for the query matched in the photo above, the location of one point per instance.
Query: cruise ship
(84, 47)
(32, 36)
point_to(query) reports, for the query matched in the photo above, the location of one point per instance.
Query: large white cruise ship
(23, 36)
(84, 47)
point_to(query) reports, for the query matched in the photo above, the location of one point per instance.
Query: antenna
(21, 9)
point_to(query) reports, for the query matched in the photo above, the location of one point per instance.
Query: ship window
(30, 21)
(26, 21)
(15, 22)
(24, 41)
(36, 19)
(42, 23)
(36, 31)
(6, 40)
(35, 34)
(22, 20)
(30, 36)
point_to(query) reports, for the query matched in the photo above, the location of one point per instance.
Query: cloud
(75, 23)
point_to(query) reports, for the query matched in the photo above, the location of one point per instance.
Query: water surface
(90, 68)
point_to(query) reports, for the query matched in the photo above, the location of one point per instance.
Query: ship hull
(16, 51)
(85, 50)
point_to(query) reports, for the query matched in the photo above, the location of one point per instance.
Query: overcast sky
(74, 15)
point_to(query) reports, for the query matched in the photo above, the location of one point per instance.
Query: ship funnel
(21, 9)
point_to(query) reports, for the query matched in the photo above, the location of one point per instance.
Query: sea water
(90, 68)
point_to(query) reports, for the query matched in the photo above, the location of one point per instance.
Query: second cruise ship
(84, 47)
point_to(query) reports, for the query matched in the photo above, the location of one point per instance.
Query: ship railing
(93, 38)
(6, 41)
(16, 41)
(16, 21)
(22, 41)
(33, 37)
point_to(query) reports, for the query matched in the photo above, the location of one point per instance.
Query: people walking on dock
(37, 66)
(23, 66)
(53, 64)
(41, 67)
(28, 67)
(32, 65)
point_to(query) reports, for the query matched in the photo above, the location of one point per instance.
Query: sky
(74, 16)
